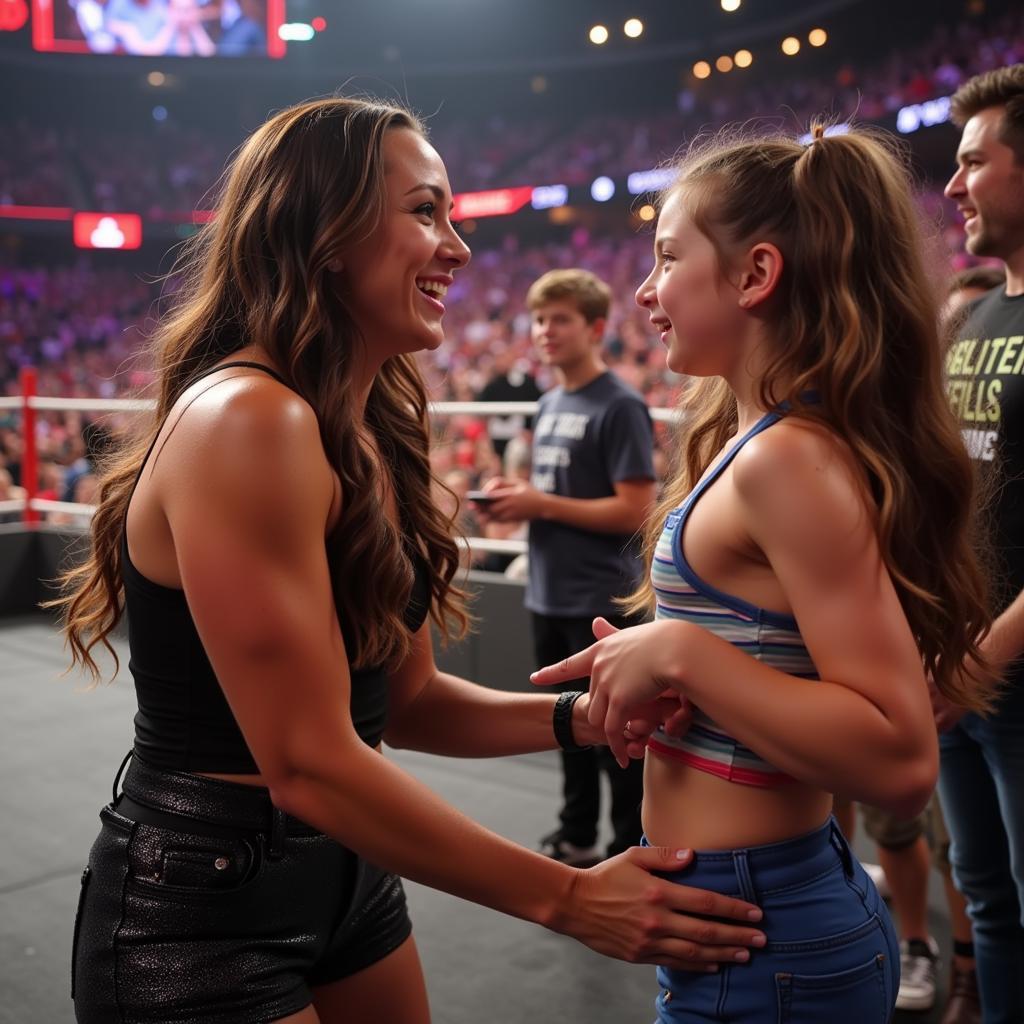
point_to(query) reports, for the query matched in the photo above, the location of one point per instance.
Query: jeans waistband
(757, 871)
(215, 802)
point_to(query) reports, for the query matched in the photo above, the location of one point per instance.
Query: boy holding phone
(591, 487)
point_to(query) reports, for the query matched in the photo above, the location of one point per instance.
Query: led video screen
(160, 28)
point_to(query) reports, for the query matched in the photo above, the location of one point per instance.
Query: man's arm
(1005, 642)
(1003, 645)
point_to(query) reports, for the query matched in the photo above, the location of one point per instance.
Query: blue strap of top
(676, 523)
(762, 424)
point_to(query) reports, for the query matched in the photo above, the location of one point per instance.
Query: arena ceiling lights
(743, 58)
(632, 28)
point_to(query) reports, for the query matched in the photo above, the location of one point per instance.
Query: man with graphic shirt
(591, 487)
(982, 768)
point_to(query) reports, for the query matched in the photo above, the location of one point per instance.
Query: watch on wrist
(561, 720)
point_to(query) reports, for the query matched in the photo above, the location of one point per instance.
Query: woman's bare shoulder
(248, 437)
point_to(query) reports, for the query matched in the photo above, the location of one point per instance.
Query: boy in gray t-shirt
(591, 485)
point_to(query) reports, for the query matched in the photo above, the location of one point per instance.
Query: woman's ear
(760, 274)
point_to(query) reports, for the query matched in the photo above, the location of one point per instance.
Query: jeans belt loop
(741, 863)
(838, 840)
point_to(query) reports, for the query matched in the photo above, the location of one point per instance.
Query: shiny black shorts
(203, 904)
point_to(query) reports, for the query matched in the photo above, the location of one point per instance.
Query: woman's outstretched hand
(633, 687)
(622, 910)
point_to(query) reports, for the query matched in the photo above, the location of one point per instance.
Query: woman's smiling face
(394, 283)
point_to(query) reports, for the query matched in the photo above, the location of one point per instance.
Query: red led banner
(497, 203)
(107, 230)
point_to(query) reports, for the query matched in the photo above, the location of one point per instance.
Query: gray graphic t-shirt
(584, 443)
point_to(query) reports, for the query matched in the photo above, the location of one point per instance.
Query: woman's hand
(630, 671)
(621, 909)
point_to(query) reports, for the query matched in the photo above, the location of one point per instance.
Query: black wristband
(561, 720)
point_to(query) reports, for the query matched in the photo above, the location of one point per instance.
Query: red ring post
(30, 453)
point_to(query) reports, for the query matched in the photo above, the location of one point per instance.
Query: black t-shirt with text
(985, 371)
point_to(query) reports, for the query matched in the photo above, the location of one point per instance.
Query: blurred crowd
(165, 170)
(84, 328)
(870, 92)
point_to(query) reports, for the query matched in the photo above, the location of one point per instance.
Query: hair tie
(817, 133)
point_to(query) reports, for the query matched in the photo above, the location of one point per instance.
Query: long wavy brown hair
(855, 323)
(303, 188)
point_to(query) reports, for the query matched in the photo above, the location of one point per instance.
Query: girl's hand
(630, 670)
(670, 711)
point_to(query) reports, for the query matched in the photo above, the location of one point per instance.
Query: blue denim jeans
(832, 952)
(981, 783)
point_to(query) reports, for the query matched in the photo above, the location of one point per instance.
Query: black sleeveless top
(184, 722)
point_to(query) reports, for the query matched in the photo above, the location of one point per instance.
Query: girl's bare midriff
(689, 809)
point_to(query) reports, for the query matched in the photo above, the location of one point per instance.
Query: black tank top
(184, 722)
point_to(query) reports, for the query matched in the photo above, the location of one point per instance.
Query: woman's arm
(249, 538)
(439, 713)
(865, 729)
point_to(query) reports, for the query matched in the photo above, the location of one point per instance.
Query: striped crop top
(770, 637)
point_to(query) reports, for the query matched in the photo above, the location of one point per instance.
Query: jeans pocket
(854, 996)
(86, 875)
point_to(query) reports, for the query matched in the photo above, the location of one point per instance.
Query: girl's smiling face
(688, 297)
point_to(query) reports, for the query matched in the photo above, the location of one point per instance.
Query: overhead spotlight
(743, 58)
(790, 45)
(633, 28)
(724, 63)
(156, 78)
(647, 212)
(817, 37)
(702, 69)
(602, 189)
(599, 35)
(730, 5)
(319, 24)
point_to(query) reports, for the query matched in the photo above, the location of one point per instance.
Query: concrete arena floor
(59, 748)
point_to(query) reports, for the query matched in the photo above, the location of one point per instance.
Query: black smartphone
(480, 497)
